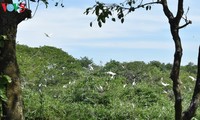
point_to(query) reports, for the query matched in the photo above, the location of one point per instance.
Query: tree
(9, 20)
(85, 61)
(105, 11)
(191, 68)
(11, 14)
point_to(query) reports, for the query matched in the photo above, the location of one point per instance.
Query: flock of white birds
(112, 76)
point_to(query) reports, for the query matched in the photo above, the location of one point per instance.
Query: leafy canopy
(104, 11)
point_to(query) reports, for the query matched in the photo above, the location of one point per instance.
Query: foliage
(190, 68)
(4, 81)
(46, 64)
(92, 94)
(105, 11)
(85, 61)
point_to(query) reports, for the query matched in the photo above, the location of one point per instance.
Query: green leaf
(129, 3)
(3, 95)
(113, 19)
(122, 20)
(9, 80)
(90, 24)
(147, 7)
(87, 11)
(109, 13)
(132, 9)
(100, 24)
(103, 19)
(97, 10)
(5, 79)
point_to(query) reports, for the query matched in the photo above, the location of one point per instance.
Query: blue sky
(144, 36)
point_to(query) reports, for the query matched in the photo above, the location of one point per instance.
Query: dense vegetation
(57, 86)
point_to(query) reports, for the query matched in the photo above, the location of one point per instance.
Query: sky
(144, 36)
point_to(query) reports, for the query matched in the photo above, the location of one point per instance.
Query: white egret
(111, 73)
(90, 67)
(191, 77)
(164, 84)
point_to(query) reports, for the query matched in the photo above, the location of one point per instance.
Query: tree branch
(180, 10)
(190, 112)
(187, 23)
(166, 10)
(23, 15)
(150, 3)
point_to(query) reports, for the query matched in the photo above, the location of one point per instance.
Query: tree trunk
(174, 28)
(190, 112)
(12, 108)
(175, 73)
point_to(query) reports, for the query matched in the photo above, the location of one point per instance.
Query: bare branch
(187, 23)
(140, 5)
(166, 10)
(180, 10)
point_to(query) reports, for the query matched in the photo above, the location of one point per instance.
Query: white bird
(164, 91)
(124, 85)
(48, 35)
(164, 84)
(190, 89)
(100, 88)
(73, 82)
(90, 67)
(193, 79)
(40, 85)
(111, 73)
(123, 67)
(133, 105)
(64, 86)
(134, 83)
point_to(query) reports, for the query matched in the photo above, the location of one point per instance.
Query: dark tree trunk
(175, 73)
(12, 108)
(174, 28)
(190, 112)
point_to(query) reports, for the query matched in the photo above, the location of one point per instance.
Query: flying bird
(48, 35)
